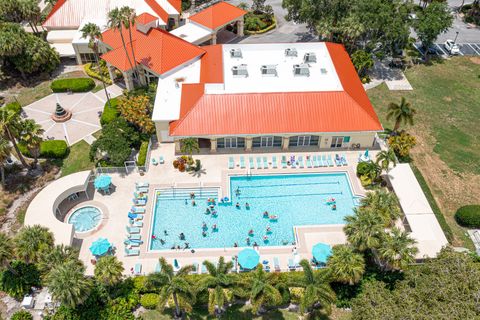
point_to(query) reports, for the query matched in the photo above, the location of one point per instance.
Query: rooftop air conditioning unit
(300, 70)
(310, 57)
(323, 71)
(291, 52)
(269, 70)
(235, 53)
(240, 71)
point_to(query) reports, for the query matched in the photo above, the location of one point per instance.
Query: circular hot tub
(85, 219)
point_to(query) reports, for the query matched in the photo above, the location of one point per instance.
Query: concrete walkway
(393, 78)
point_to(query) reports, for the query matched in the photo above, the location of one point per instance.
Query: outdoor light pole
(455, 41)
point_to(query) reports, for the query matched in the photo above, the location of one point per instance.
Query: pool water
(297, 200)
(85, 218)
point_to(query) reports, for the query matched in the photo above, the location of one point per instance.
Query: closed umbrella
(102, 182)
(321, 252)
(100, 247)
(248, 258)
(366, 153)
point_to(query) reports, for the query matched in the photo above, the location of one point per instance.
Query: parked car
(452, 47)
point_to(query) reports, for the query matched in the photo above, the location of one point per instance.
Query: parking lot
(466, 49)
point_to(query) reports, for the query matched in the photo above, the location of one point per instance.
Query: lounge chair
(162, 160)
(142, 184)
(134, 236)
(284, 162)
(251, 163)
(316, 160)
(324, 161)
(231, 163)
(176, 265)
(338, 160)
(242, 162)
(203, 269)
(276, 264)
(137, 269)
(291, 265)
(138, 216)
(300, 162)
(274, 162)
(132, 230)
(139, 202)
(344, 160)
(154, 161)
(309, 162)
(259, 163)
(131, 252)
(129, 242)
(265, 163)
(138, 224)
(133, 215)
(195, 268)
(142, 190)
(139, 196)
(137, 210)
(158, 267)
(329, 160)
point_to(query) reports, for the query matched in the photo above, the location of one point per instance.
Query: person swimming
(181, 236)
(265, 238)
(162, 241)
(207, 211)
(187, 245)
(214, 212)
(250, 232)
(265, 214)
(237, 191)
(204, 225)
(192, 195)
(204, 234)
(247, 206)
(248, 241)
(154, 237)
(334, 207)
(193, 203)
(237, 205)
(165, 232)
(269, 230)
(235, 245)
(214, 227)
(186, 202)
(255, 244)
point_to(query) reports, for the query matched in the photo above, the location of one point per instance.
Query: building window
(302, 141)
(267, 142)
(337, 142)
(87, 57)
(230, 143)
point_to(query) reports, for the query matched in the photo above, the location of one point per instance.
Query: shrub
(142, 153)
(53, 149)
(14, 106)
(73, 84)
(22, 315)
(296, 294)
(362, 168)
(109, 113)
(468, 216)
(90, 71)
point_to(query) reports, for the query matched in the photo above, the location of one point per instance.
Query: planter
(269, 28)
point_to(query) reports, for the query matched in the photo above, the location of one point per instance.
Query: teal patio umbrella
(366, 153)
(102, 182)
(321, 252)
(248, 258)
(100, 247)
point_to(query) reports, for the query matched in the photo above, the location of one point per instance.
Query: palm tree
(128, 17)
(397, 249)
(52, 257)
(402, 112)
(108, 270)
(216, 282)
(5, 151)
(364, 229)
(6, 251)
(93, 33)
(189, 145)
(172, 285)
(31, 241)
(32, 136)
(115, 22)
(385, 158)
(263, 292)
(9, 124)
(346, 265)
(384, 204)
(318, 292)
(68, 284)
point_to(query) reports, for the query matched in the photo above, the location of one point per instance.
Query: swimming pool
(85, 218)
(296, 199)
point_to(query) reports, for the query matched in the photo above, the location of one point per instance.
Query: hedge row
(109, 113)
(142, 153)
(53, 149)
(73, 85)
(468, 216)
(270, 27)
(92, 73)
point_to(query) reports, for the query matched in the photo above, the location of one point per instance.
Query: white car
(452, 47)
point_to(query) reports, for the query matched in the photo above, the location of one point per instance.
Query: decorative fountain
(61, 115)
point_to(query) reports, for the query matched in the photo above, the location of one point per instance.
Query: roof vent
(323, 71)
(291, 52)
(269, 70)
(235, 53)
(240, 71)
(301, 70)
(310, 57)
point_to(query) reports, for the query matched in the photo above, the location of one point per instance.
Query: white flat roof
(101, 23)
(192, 33)
(428, 233)
(64, 49)
(169, 91)
(323, 76)
(61, 36)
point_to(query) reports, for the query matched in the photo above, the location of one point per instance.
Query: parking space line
(441, 49)
(474, 49)
(477, 46)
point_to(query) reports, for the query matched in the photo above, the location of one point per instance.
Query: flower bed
(269, 28)
(89, 70)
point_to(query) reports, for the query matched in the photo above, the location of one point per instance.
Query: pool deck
(214, 173)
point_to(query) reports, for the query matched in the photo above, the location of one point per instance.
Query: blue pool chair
(309, 162)
(265, 163)
(338, 160)
(131, 252)
(300, 162)
(142, 190)
(139, 202)
(259, 163)
(154, 161)
(344, 160)
(158, 267)
(138, 268)
(195, 268)
(276, 265)
(291, 265)
(134, 237)
(251, 163)
(132, 230)
(137, 210)
(203, 269)
(274, 162)
(317, 161)
(242, 162)
(231, 163)
(324, 161)
(329, 160)
(162, 160)
(284, 162)
(176, 265)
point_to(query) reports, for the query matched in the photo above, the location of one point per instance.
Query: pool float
(214, 227)
(273, 217)
(331, 201)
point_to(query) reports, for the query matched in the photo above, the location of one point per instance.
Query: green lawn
(77, 159)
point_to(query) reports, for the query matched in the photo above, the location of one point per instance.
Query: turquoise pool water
(297, 200)
(85, 219)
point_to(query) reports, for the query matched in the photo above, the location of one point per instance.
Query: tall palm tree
(6, 251)
(346, 265)
(31, 241)
(216, 282)
(115, 22)
(383, 203)
(52, 257)
(364, 229)
(318, 292)
(92, 32)
(32, 136)
(173, 285)
(397, 249)
(402, 112)
(108, 270)
(263, 292)
(385, 158)
(9, 125)
(128, 17)
(68, 284)
(5, 151)
(189, 145)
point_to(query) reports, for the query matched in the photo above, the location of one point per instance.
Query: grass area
(446, 96)
(77, 160)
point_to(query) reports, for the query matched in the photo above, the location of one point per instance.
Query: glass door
(303, 141)
(231, 142)
(336, 142)
(266, 141)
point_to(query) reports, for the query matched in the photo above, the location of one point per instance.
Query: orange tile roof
(158, 10)
(211, 69)
(158, 50)
(218, 15)
(145, 18)
(177, 4)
